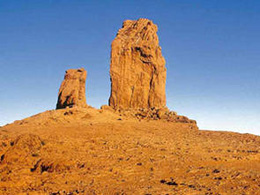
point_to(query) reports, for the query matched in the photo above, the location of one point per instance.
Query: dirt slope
(89, 151)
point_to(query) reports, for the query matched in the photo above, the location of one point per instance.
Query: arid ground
(91, 151)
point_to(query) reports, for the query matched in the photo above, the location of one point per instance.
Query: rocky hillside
(90, 151)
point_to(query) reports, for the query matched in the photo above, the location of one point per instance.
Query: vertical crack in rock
(137, 63)
(72, 90)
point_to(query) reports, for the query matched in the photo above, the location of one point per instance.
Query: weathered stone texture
(137, 69)
(72, 90)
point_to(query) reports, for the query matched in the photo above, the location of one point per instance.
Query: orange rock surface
(90, 151)
(72, 90)
(137, 68)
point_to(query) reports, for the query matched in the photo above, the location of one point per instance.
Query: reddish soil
(90, 151)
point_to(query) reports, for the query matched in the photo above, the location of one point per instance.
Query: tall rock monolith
(72, 90)
(137, 67)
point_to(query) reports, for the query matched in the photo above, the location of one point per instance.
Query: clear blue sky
(212, 52)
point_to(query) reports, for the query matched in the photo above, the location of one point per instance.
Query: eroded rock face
(72, 89)
(137, 69)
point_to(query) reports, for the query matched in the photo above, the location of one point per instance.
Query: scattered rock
(106, 107)
(216, 171)
(87, 116)
(218, 178)
(170, 183)
(157, 114)
(43, 165)
(191, 186)
(67, 113)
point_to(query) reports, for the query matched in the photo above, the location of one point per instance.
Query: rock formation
(137, 68)
(72, 89)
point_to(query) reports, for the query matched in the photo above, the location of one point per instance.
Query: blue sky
(212, 52)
